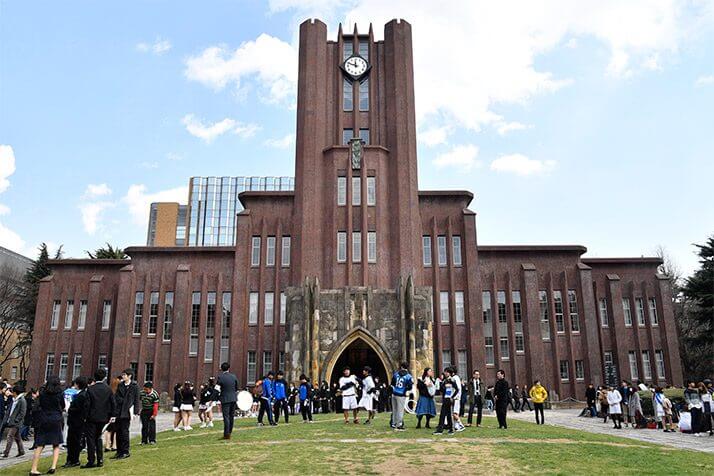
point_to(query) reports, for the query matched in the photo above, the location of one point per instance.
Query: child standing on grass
(281, 397)
(305, 395)
(149, 410)
(266, 399)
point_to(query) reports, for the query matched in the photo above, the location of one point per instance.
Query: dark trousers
(75, 432)
(501, 412)
(539, 412)
(478, 405)
(525, 403)
(148, 427)
(281, 405)
(265, 408)
(13, 436)
(696, 419)
(446, 417)
(229, 411)
(305, 410)
(122, 430)
(95, 445)
(604, 409)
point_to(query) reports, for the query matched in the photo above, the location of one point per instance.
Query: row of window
(267, 364)
(64, 365)
(348, 95)
(356, 246)
(627, 311)
(270, 243)
(461, 366)
(356, 191)
(459, 313)
(268, 308)
(646, 364)
(565, 370)
(82, 317)
(441, 250)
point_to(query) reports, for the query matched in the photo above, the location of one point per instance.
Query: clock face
(356, 66)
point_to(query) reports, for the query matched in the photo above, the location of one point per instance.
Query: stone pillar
(531, 320)
(590, 321)
(123, 320)
(670, 340)
(180, 325)
(314, 319)
(614, 292)
(38, 352)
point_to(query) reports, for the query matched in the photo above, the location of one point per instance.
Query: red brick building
(358, 266)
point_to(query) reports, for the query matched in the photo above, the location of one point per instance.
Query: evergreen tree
(107, 252)
(38, 270)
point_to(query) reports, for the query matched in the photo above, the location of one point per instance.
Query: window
(356, 246)
(82, 321)
(153, 313)
(364, 96)
(341, 246)
(285, 252)
(149, 371)
(520, 343)
(653, 312)
(283, 306)
(456, 250)
(544, 315)
(364, 135)
(255, 251)
(270, 251)
(54, 320)
(135, 370)
(564, 370)
(195, 322)
(347, 49)
(573, 310)
(579, 370)
(64, 362)
(558, 302)
(646, 366)
(627, 312)
(371, 191)
(210, 326)
(640, 307)
(102, 361)
(486, 307)
(501, 300)
(13, 372)
(490, 359)
(459, 304)
(225, 327)
(106, 314)
(608, 358)
(168, 315)
(69, 312)
(659, 360)
(516, 304)
(138, 312)
(604, 322)
(267, 361)
(634, 374)
(341, 191)
(371, 246)
(444, 306)
(462, 364)
(347, 136)
(268, 311)
(251, 367)
(77, 366)
(426, 250)
(49, 366)
(364, 49)
(356, 191)
(253, 308)
(505, 350)
(446, 358)
(441, 245)
(347, 95)
(281, 360)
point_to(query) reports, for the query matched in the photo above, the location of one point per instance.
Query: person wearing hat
(368, 390)
(149, 410)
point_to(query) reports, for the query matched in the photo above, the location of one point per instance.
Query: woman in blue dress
(427, 390)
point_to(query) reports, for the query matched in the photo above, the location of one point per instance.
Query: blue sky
(572, 122)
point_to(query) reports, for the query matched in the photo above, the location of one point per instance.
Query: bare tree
(14, 332)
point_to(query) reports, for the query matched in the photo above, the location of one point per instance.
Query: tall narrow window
(153, 313)
(69, 312)
(520, 343)
(341, 246)
(283, 308)
(102, 361)
(269, 306)
(456, 250)
(544, 315)
(255, 251)
(627, 312)
(463, 363)
(281, 360)
(168, 315)
(347, 95)
(653, 312)
(501, 301)
(341, 191)
(459, 313)
(267, 361)
(579, 370)
(371, 246)
(364, 95)
(564, 370)
(441, 245)
(106, 314)
(348, 49)
(253, 309)
(446, 358)
(505, 349)
(444, 306)
(490, 356)
(135, 370)
(270, 251)
(285, 252)
(364, 48)
(138, 312)
(371, 191)
(659, 359)
(518, 322)
(251, 373)
(632, 358)
(347, 135)
(604, 320)
(573, 310)
(77, 366)
(49, 366)
(356, 191)
(426, 250)
(64, 362)
(225, 327)
(646, 365)
(82, 320)
(364, 135)
(640, 307)
(195, 323)
(210, 326)
(486, 307)
(356, 246)
(149, 371)
(558, 302)
(54, 320)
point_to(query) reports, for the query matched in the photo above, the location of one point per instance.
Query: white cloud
(158, 47)
(704, 80)
(99, 190)
(8, 238)
(461, 157)
(11, 240)
(149, 165)
(434, 136)
(504, 128)
(572, 43)
(266, 61)
(7, 166)
(519, 164)
(174, 157)
(208, 132)
(4, 209)
(93, 203)
(138, 200)
(281, 142)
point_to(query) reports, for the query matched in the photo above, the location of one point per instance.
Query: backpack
(258, 389)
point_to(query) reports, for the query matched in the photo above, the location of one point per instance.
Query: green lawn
(330, 447)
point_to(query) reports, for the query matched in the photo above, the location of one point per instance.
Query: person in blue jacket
(305, 395)
(281, 397)
(402, 383)
(266, 399)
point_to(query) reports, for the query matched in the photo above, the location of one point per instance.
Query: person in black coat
(49, 428)
(591, 397)
(228, 384)
(100, 410)
(502, 396)
(76, 416)
(127, 397)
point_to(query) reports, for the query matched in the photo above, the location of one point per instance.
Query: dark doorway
(356, 356)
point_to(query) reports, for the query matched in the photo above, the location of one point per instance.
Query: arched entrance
(357, 350)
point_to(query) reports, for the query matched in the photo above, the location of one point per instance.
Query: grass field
(330, 447)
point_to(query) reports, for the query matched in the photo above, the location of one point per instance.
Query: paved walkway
(570, 419)
(164, 421)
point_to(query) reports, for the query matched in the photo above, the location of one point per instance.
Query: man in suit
(502, 395)
(14, 418)
(76, 416)
(228, 384)
(101, 410)
(128, 405)
(478, 392)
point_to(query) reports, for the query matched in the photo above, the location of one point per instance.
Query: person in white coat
(613, 400)
(368, 390)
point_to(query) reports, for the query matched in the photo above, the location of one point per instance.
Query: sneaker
(210, 424)
(260, 424)
(400, 428)
(175, 429)
(311, 421)
(438, 432)
(368, 422)
(451, 432)
(188, 427)
(461, 428)
(202, 425)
